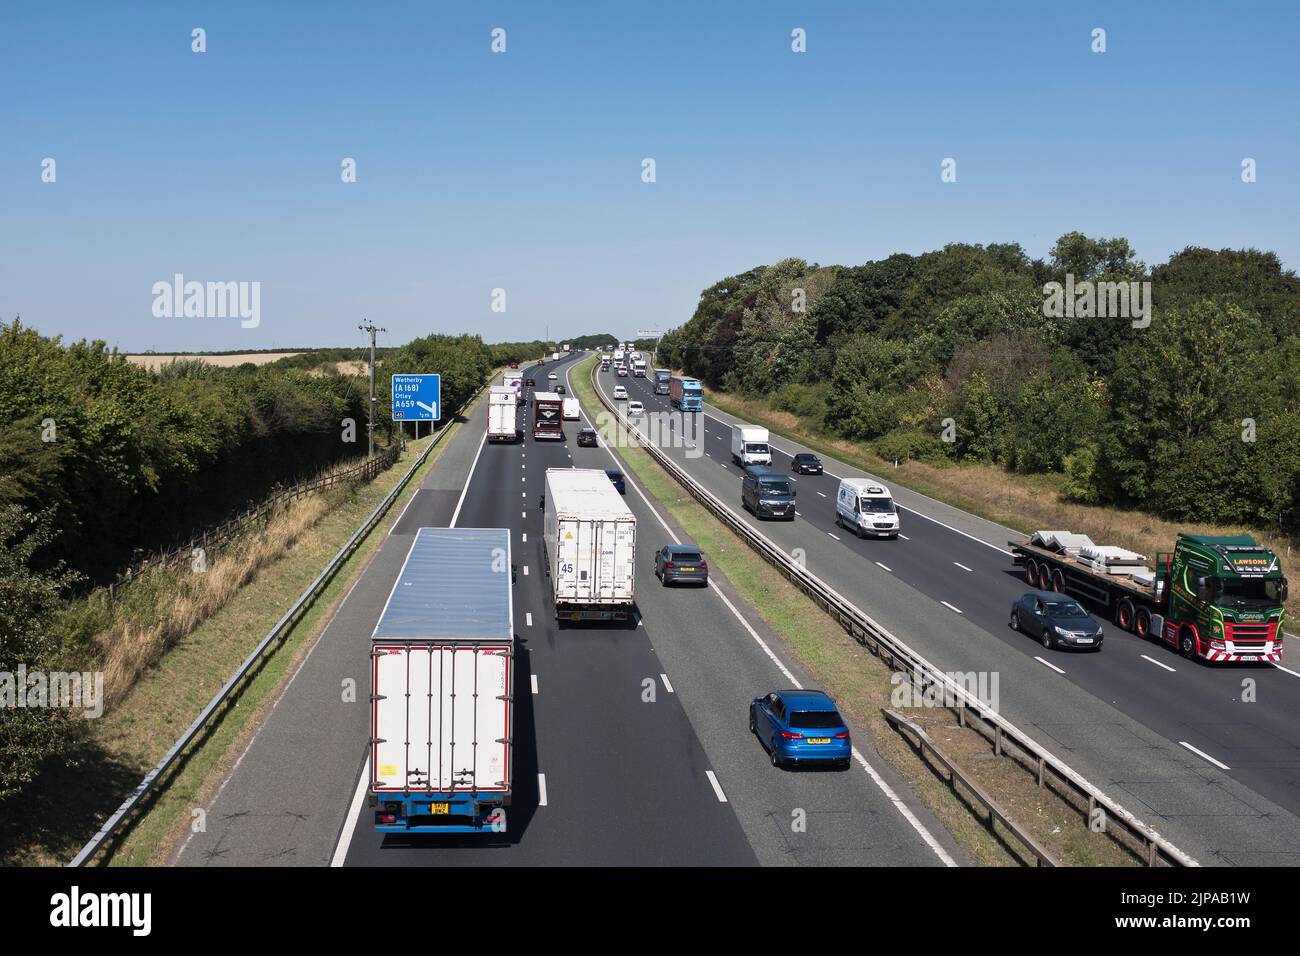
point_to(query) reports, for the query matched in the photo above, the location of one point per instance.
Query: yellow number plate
(819, 740)
(437, 808)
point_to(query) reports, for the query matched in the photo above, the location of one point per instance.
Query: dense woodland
(1195, 417)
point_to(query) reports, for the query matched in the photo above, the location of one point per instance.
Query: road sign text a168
(417, 398)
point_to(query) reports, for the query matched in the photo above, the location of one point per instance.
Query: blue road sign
(417, 398)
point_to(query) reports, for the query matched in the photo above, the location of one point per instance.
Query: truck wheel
(1124, 614)
(1031, 573)
(1142, 623)
(1058, 581)
(1187, 644)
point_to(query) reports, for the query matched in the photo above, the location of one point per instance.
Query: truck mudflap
(438, 813)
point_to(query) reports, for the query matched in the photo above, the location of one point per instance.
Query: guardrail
(282, 627)
(1151, 847)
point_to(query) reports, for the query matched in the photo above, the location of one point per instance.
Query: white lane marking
(876, 778)
(523, 514)
(905, 537)
(525, 570)
(963, 567)
(523, 479)
(717, 787)
(524, 537)
(354, 811)
(799, 513)
(708, 455)
(1202, 754)
(667, 686)
(835, 536)
(1158, 663)
(951, 607)
(528, 618)
(469, 478)
(822, 494)
(403, 514)
(534, 683)
(541, 789)
(523, 494)
(794, 479)
(1049, 664)
(1287, 669)
(886, 567)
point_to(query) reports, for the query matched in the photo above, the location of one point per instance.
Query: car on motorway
(1056, 620)
(552, 376)
(806, 463)
(622, 371)
(559, 390)
(681, 563)
(635, 408)
(617, 480)
(768, 494)
(800, 727)
(620, 392)
(586, 438)
(530, 382)
(866, 507)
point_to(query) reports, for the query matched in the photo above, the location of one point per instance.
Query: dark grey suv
(681, 562)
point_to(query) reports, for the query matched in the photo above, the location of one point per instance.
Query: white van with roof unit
(865, 507)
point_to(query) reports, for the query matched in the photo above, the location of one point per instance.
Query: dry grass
(1025, 503)
(153, 362)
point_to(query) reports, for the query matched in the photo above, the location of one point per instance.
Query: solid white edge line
(534, 682)
(1287, 669)
(541, 789)
(468, 479)
(1048, 664)
(1158, 663)
(876, 778)
(1204, 756)
(350, 824)
(717, 787)
(667, 685)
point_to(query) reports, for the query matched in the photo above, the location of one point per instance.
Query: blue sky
(522, 170)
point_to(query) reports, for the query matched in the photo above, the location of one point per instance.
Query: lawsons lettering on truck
(1214, 597)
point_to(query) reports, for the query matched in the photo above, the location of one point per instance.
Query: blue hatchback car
(800, 726)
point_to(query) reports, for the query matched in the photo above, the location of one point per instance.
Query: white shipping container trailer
(442, 687)
(589, 537)
(503, 414)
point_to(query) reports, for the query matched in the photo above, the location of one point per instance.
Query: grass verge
(862, 685)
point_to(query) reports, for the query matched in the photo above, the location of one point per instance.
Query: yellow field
(225, 361)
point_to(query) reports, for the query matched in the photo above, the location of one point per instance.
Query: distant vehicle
(618, 355)
(560, 390)
(450, 615)
(638, 367)
(548, 417)
(767, 493)
(661, 379)
(866, 507)
(1214, 597)
(1056, 620)
(541, 361)
(749, 446)
(503, 414)
(589, 540)
(621, 371)
(514, 364)
(587, 437)
(572, 410)
(555, 356)
(685, 394)
(552, 376)
(806, 463)
(800, 726)
(681, 563)
(635, 408)
(619, 392)
(530, 382)
(604, 364)
(616, 479)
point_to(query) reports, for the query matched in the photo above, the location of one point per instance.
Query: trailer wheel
(1031, 573)
(1058, 581)
(1142, 623)
(1124, 614)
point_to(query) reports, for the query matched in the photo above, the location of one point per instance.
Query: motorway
(1177, 742)
(632, 745)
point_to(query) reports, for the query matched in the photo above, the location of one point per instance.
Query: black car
(806, 463)
(616, 477)
(559, 390)
(1056, 620)
(529, 382)
(586, 438)
(681, 562)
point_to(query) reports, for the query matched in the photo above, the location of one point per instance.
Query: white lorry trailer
(749, 446)
(589, 539)
(503, 414)
(442, 687)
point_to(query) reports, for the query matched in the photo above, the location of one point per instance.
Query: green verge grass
(861, 684)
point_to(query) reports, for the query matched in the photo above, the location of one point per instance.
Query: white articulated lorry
(442, 687)
(503, 414)
(589, 539)
(749, 446)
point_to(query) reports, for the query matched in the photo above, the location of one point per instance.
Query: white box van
(572, 410)
(865, 507)
(749, 446)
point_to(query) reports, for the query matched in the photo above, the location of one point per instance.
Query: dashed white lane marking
(525, 570)
(528, 618)
(717, 787)
(951, 607)
(835, 536)
(667, 686)
(541, 789)
(534, 683)
(523, 494)
(822, 494)
(1049, 664)
(523, 514)
(905, 537)
(886, 567)
(1204, 756)
(963, 567)
(524, 537)
(1158, 663)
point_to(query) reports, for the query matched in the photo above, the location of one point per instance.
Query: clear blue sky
(522, 170)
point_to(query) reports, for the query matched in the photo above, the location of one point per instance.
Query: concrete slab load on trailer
(442, 687)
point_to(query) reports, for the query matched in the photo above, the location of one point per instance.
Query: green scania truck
(1218, 598)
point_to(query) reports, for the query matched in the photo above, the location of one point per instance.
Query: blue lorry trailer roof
(455, 584)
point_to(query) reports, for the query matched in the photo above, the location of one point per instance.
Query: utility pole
(368, 326)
